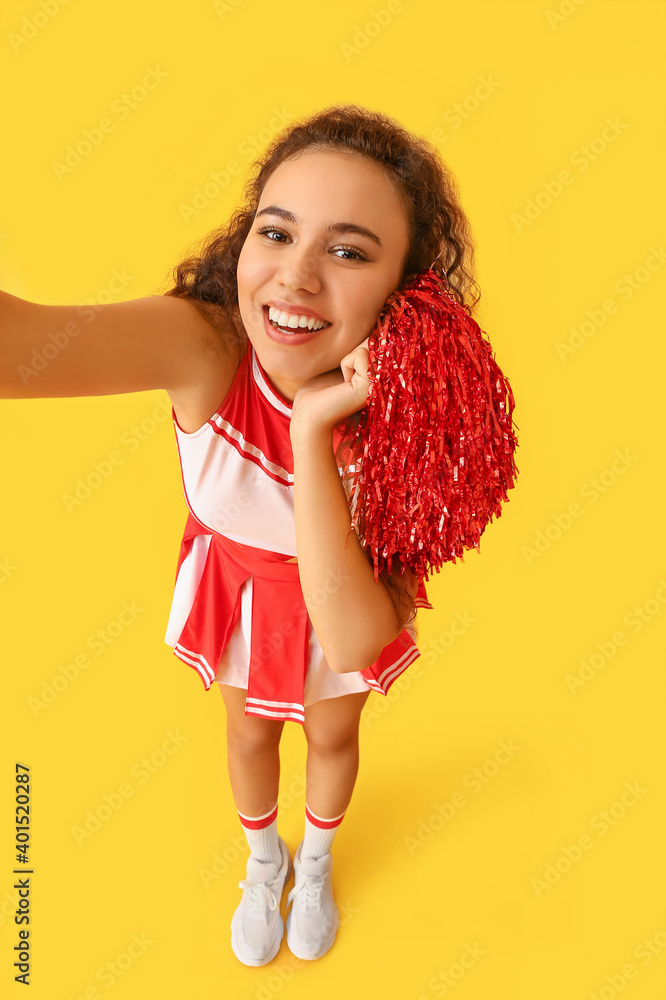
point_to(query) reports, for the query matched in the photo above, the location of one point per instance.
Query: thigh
(333, 722)
(249, 730)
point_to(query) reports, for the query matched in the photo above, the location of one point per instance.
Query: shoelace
(311, 886)
(262, 896)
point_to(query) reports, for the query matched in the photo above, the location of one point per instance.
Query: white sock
(319, 834)
(262, 836)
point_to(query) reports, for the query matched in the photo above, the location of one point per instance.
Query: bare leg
(253, 755)
(331, 730)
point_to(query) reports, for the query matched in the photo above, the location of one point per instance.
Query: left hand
(325, 400)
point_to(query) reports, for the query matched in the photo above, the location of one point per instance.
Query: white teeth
(294, 321)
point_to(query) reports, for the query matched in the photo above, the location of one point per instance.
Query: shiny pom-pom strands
(435, 451)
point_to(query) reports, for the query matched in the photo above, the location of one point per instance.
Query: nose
(299, 268)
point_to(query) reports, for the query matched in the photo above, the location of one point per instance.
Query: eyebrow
(333, 227)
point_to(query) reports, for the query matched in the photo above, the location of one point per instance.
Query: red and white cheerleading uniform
(238, 615)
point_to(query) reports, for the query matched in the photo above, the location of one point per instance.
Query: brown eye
(270, 229)
(357, 253)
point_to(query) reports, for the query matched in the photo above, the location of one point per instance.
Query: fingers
(348, 367)
(350, 359)
(355, 363)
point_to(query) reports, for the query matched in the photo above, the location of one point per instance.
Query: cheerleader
(262, 345)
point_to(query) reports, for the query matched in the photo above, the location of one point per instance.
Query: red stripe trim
(259, 824)
(273, 390)
(323, 824)
(206, 682)
(248, 456)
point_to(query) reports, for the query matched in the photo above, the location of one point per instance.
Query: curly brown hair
(439, 235)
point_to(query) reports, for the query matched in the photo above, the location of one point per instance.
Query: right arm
(157, 342)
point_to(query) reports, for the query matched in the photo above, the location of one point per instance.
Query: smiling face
(328, 242)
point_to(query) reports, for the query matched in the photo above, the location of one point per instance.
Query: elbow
(342, 663)
(360, 659)
(344, 667)
(348, 667)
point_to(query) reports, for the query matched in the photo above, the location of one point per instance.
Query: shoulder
(213, 325)
(219, 353)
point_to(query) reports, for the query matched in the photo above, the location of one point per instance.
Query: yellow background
(468, 886)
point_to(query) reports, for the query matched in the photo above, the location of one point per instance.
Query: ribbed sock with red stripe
(262, 836)
(319, 833)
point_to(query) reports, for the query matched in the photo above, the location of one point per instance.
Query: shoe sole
(255, 962)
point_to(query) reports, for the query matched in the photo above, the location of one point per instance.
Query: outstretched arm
(157, 342)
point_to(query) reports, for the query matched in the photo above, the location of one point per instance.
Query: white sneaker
(312, 922)
(257, 927)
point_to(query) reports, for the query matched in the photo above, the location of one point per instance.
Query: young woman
(262, 346)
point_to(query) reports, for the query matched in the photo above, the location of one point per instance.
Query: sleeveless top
(238, 476)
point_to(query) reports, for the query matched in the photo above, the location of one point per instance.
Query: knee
(331, 742)
(256, 737)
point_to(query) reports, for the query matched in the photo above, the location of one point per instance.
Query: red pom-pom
(434, 451)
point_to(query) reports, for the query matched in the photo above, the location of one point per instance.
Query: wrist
(305, 435)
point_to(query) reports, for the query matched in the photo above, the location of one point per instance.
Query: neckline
(266, 387)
